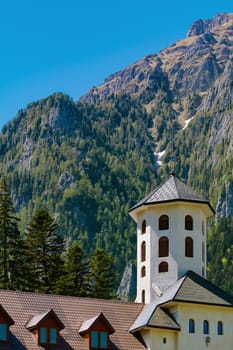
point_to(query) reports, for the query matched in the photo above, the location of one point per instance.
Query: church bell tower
(171, 237)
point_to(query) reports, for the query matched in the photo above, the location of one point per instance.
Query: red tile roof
(72, 311)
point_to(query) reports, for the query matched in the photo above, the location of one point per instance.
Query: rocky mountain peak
(202, 26)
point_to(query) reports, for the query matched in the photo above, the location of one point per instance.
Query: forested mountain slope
(86, 163)
(189, 84)
(89, 161)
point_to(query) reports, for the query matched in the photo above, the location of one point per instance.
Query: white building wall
(199, 313)
(160, 339)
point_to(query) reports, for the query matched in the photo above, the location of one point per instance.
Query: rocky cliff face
(225, 202)
(202, 26)
(189, 65)
(191, 79)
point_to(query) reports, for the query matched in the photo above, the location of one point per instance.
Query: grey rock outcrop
(123, 291)
(202, 26)
(225, 202)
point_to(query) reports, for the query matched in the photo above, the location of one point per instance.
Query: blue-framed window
(205, 327)
(103, 340)
(48, 335)
(3, 331)
(191, 326)
(43, 335)
(94, 339)
(220, 328)
(53, 336)
(99, 340)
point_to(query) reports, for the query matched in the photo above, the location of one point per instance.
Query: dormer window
(43, 335)
(99, 340)
(46, 328)
(97, 331)
(53, 336)
(48, 336)
(3, 332)
(5, 322)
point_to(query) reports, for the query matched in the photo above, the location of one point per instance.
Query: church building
(176, 307)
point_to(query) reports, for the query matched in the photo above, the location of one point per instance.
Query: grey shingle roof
(199, 290)
(191, 288)
(161, 318)
(72, 311)
(172, 190)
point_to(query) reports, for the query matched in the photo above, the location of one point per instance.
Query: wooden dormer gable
(46, 327)
(97, 331)
(5, 322)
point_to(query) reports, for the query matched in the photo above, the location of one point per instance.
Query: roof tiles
(72, 311)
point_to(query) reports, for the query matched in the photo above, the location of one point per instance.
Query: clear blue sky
(69, 46)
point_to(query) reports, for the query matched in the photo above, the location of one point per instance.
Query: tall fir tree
(9, 239)
(74, 280)
(18, 263)
(44, 250)
(102, 275)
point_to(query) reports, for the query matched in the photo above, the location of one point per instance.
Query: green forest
(37, 260)
(88, 165)
(83, 166)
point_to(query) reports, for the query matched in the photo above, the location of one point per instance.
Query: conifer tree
(44, 249)
(18, 264)
(9, 237)
(102, 275)
(74, 279)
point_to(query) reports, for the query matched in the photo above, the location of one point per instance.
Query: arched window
(144, 226)
(205, 327)
(188, 222)
(143, 271)
(143, 251)
(203, 251)
(191, 326)
(163, 222)
(203, 271)
(143, 296)
(163, 246)
(163, 267)
(203, 227)
(189, 247)
(220, 328)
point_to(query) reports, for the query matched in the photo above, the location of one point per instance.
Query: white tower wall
(154, 281)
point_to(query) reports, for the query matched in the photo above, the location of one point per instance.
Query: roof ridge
(61, 296)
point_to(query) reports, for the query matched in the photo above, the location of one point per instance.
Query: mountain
(89, 161)
(186, 90)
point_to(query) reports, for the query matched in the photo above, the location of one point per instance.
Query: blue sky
(69, 46)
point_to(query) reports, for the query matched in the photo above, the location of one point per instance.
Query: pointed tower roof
(172, 190)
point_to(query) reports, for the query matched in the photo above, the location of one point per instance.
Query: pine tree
(102, 275)
(74, 279)
(18, 263)
(9, 237)
(44, 249)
